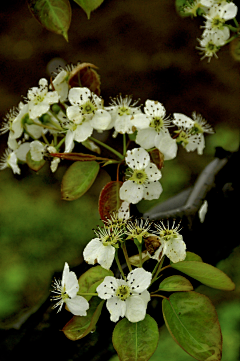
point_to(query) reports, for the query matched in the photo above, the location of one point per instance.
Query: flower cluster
(128, 296)
(216, 31)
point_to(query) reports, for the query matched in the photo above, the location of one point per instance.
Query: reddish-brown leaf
(109, 200)
(85, 76)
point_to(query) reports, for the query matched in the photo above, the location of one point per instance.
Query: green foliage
(78, 179)
(80, 326)
(54, 15)
(192, 322)
(89, 281)
(206, 274)
(135, 341)
(175, 283)
(89, 5)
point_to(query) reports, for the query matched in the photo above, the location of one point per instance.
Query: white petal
(153, 172)
(182, 120)
(107, 288)
(152, 190)
(77, 305)
(22, 151)
(12, 162)
(36, 110)
(131, 192)
(69, 141)
(51, 97)
(229, 11)
(61, 85)
(101, 119)
(74, 114)
(202, 211)
(146, 138)
(95, 250)
(175, 249)
(83, 131)
(34, 130)
(78, 96)
(140, 121)
(167, 145)
(139, 280)
(136, 308)
(154, 108)
(36, 149)
(123, 124)
(137, 158)
(116, 308)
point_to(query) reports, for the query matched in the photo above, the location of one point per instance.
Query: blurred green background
(142, 48)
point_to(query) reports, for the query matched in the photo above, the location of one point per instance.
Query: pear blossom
(218, 14)
(102, 249)
(9, 159)
(137, 229)
(168, 242)
(143, 181)
(152, 129)
(128, 297)
(191, 132)
(122, 112)
(66, 292)
(37, 150)
(40, 99)
(85, 114)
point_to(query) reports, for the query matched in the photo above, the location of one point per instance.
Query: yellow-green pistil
(123, 111)
(157, 123)
(167, 234)
(123, 292)
(88, 107)
(139, 176)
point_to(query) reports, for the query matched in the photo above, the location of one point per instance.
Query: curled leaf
(109, 200)
(85, 76)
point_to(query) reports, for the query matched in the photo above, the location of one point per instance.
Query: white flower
(55, 161)
(138, 229)
(218, 14)
(191, 133)
(152, 129)
(60, 84)
(102, 249)
(85, 114)
(122, 112)
(66, 292)
(143, 182)
(40, 99)
(9, 159)
(37, 150)
(170, 242)
(126, 298)
(202, 211)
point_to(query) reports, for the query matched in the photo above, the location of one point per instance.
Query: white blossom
(122, 112)
(126, 298)
(152, 129)
(102, 249)
(9, 159)
(61, 85)
(218, 14)
(37, 150)
(170, 242)
(40, 99)
(66, 292)
(85, 114)
(143, 181)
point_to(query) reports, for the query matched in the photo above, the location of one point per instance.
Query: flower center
(88, 107)
(64, 294)
(110, 240)
(167, 234)
(123, 292)
(211, 47)
(182, 138)
(218, 22)
(157, 123)
(139, 176)
(123, 111)
(196, 129)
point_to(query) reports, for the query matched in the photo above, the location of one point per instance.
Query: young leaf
(78, 179)
(175, 283)
(33, 164)
(193, 257)
(89, 5)
(80, 326)
(109, 200)
(135, 341)
(192, 322)
(89, 281)
(84, 75)
(206, 274)
(54, 15)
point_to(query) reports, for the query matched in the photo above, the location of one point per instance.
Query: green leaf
(89, 5)
(135, 341)
(33, 164)
(54, 15)
(78, 179)
(193, 257)
(89, 280)
(206, 274)
(80, 326)
(175, 283)
(192, 322)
